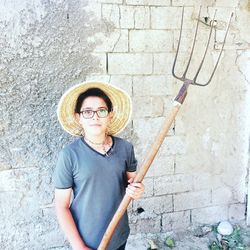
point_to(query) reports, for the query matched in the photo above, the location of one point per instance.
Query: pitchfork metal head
(194, 80)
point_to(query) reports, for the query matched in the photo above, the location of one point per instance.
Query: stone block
(110, 1)
(123, 82)
(204, 180)
(222, 15)
(152, 85)
(149, 2)
(127, 20)
(146, 225)
(222, 195)
(237, 212)
(145, 130)
(175, 221)
(226, 4)
(191, 2)
(160, 20)
(111, 13)
(150, 41)
(142, 18)
(149, 187)
(162, 63)
(173, 145)
(172, 184)
(155, 204)
(209, 215)
(191, 200)
(150, 106)
(115, 41)
(130, 63)
(162, 165)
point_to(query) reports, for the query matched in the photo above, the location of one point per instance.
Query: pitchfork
(178, 101)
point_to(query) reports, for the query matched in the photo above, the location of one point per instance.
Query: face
(94, 126)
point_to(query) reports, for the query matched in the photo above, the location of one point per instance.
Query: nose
(95, 115)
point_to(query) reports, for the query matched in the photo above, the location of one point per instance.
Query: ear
(77, 115)
(111, 114)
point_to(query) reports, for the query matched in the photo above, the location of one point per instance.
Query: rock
(225, 228)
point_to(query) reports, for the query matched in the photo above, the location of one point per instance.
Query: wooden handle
(142, 170)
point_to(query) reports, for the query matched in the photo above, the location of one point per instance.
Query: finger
(137, 185)
(130, 180)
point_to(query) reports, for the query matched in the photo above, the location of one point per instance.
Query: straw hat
(122, 107)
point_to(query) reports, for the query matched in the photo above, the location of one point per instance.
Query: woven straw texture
(122, 107)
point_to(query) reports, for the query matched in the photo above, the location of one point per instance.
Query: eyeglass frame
(94, 112)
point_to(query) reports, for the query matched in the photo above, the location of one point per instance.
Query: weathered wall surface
(201, 172)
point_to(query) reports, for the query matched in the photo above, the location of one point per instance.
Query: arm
(65, 219)
(134, 190)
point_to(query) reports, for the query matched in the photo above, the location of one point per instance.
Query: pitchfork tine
(178, 46)
(191, 54)
(215, 67)
(205, 53)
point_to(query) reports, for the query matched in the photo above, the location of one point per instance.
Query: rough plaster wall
(200, 174)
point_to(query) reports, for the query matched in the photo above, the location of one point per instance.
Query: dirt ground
(194, 238)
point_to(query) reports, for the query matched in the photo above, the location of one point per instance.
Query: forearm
(69, 227)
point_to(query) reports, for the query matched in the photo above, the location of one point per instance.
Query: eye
(102, 112)
(87, 112)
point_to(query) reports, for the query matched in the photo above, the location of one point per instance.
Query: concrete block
(120, 81)
(142, 18)
(162, 62)
(111, 13)
(174, 145)
(191, 200)
(130, 63)
(175, 221)
(144, 132)
(115, 41)
(221, 195)
(209, 215)
(148, 106)
(226, 4)
(204, 180)
(237, 212)
(191, 2)
(123, 82)
(162, 165)
(134, 17)
(222, 15)
(149, 2)
(152, 85)
(160, 20)
(172, 184)
(146, 225)
(157, 205)
(191, 163)
(127, 20)
(150, 41)
(110, 1)
(149, 187)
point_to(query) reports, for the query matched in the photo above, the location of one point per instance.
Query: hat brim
(122, 107)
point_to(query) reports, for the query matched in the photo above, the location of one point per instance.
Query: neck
(96, 139)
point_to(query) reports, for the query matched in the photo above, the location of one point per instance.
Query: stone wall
(201, 172)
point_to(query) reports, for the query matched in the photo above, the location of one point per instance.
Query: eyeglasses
(88, 113)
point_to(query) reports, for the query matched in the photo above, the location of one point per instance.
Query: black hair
(93, 92)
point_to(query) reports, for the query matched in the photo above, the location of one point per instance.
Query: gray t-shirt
(98, 182)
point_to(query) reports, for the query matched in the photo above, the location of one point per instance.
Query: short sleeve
(63, 173)
(132, 163)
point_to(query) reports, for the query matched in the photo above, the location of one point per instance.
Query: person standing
(94, 172)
